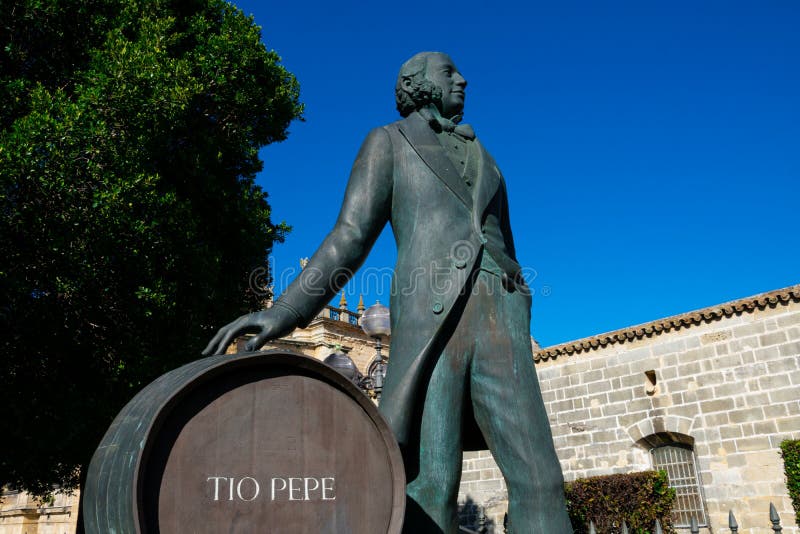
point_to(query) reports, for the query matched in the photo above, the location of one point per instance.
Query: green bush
(638, 498)
(790, 451)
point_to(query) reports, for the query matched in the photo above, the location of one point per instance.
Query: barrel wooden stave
(126, 490)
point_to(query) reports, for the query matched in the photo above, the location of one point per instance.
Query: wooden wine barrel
(262, 442)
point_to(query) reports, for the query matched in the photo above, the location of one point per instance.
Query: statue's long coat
(441, 226)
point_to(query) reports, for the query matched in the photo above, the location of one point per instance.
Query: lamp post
(375, 323)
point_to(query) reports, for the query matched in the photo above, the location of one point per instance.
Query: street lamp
(375, 322)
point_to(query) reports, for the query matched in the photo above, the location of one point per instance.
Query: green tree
(129, 138)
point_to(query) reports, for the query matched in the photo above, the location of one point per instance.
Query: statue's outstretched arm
(365, 211)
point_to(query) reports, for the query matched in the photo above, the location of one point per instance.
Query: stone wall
(725, 380)
(21, 513)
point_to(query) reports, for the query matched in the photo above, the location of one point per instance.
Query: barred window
(678, 461)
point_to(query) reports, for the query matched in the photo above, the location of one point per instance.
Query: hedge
(790, 451)
(638, 498)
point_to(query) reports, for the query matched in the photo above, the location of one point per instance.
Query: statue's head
(430, 78)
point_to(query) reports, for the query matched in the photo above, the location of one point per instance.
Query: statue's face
(443, 73)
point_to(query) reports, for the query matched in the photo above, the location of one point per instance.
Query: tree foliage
(129, 138)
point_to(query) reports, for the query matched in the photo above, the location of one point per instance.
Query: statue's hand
(267, 324)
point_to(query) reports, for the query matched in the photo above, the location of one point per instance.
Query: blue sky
(651, 149)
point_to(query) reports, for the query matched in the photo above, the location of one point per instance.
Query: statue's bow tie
(440, 124)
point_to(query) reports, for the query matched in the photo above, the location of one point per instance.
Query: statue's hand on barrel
(267, 324)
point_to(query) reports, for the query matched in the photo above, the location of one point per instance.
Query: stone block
(767, 354)
(678, 345)
(592, 376)
(748, 415)
(748, 357)
(689, 369)
(758, 443)
(601, 362)
(728, 431)
(491, 474)
(773, 411)
(604, 436)
(485, 463)
(785, 321)
(756, 400)
(632, 355)
(790, 349)
(715, 337)
(717, 405)
(774, 382)
(579, 439)
(614, 409)
(711, 378)
(559, 382)
(784, 365)
(620, 395)
(788, 424)
(772, 338)
(765, 428)
(789, 394)
(747, 330)
(563, 406)
(667, 361)
(576, 367)
(726, 361)
(468, 476)
(729, 390)
(666, 374)
(716, 419)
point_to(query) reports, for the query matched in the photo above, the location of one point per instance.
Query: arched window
(677, 459)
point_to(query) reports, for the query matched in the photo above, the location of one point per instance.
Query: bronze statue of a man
(461, 371)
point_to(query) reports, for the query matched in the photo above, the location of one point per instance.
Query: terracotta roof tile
(676, 322)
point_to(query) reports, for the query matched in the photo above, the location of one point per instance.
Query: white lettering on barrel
(292, 489)
(326, 488)
(255, 486)
(216, 485)
(305, 485)
(282, 488)
(248, 489)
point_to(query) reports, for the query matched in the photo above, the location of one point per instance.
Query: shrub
(790, 451)
(638, 498)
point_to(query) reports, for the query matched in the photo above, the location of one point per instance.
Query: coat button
(437, 307)
(460, 264)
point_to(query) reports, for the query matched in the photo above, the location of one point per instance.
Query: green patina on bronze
(461, 372)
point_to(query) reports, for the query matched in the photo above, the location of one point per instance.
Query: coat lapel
(422, 139)
(486, 183)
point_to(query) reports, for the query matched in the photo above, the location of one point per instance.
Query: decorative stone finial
(361, 306)
(343, 302)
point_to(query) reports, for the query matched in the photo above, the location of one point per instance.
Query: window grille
(679, 463)
(354, 320)
(335, 315)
